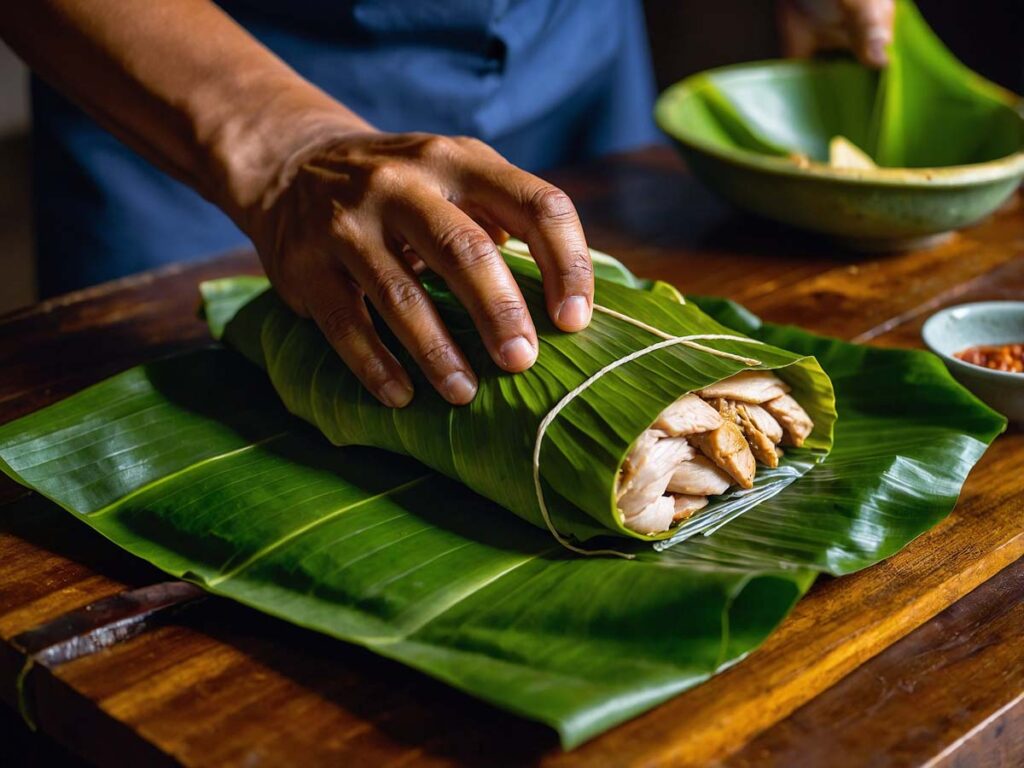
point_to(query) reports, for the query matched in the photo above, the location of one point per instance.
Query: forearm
(184, 85)
(340, 215)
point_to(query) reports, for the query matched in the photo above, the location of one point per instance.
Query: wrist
(255, 151)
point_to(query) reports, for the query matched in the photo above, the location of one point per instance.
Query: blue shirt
(545, 82)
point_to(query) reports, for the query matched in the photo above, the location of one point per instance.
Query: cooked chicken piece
(641, 449)
(762, 446)
(638, 497)
(654, 518)
(726, 409)
(727, 447)
(764, 421)
(795, 422)
(730, 423)
(652, 465)
(686, 505)
(747, 387)
(653, 456)
(688, 415)
(699, 477)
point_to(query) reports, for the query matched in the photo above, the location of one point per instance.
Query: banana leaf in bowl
(935, 146)
(194, 464)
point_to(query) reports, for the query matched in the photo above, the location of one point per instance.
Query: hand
(862, 26)
(354, 217)
(339, 213)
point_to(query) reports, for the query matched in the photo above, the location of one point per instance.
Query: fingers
(797, 34)
(445, 202)
(339, 310)
(862, 26)
(869, 25)
(459, 250)
(543, 216)
(397, 294)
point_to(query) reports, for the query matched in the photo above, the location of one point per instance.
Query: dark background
(686, 36)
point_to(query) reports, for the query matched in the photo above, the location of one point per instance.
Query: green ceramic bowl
(960, 144)
(985, 322)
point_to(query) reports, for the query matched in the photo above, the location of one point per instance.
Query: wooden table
(916, 661)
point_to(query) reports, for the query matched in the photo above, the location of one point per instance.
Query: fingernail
(458, 388)
(876, 52)
(574, 313)
(518, 353)
(396, 394)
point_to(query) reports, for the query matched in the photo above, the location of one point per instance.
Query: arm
(339, 212)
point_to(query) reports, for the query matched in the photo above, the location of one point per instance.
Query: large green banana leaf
(489, 445)
(925, 109)
(933, 111)
(193, 464)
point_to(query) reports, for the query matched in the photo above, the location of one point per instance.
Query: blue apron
(545, 82)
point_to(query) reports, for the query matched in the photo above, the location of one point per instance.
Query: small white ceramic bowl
(985, 322)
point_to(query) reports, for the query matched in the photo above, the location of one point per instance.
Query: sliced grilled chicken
(727, 447)
(639, 497)
(699, 477)
(654, 518)
(764, 421)
(762, 446)
(795, 422)
(688, 415)
(733, 424)
(685, 506)
(726, 409)
(636, 457)
(747, 387)
(653, 465)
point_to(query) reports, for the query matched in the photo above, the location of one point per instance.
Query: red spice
(999, 357)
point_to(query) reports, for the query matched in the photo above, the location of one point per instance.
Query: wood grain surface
(861, 673)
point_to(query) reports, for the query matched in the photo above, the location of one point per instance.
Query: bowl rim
(1006, 377)
(1000, 169)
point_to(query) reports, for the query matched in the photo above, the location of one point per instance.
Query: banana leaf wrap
(192, 464)
(489, 444)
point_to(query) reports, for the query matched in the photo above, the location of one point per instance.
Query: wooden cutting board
(218, 684)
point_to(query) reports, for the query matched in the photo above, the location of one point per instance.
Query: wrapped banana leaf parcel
(583, 541)
(630, 429)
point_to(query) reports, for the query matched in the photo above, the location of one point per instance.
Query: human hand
(353, 218)
(861, 26)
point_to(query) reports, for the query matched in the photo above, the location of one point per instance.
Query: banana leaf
(490, 444)
(932, 111)
(193, 464)
(925, 109)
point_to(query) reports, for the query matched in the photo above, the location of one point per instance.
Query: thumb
(869, 25)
